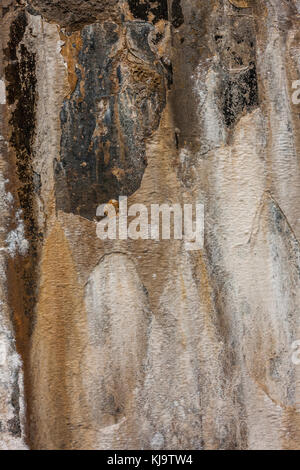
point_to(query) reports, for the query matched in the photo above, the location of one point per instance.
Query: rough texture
(142, 344)
(115, 103)
(74, 13)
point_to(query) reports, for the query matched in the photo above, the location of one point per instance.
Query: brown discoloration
(74, 14)
(55, 362)
(291, 436)
(12, 435)
(70, 50)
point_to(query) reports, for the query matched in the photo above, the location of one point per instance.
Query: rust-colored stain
(57, 346)
(70, 50)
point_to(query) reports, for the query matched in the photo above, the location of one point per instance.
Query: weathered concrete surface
(12, 245)
(141, 344)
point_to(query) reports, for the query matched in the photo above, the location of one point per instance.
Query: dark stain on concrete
(191, 46)
(22, 272)
(169, 72)
(21, 92)
(116, 105)
(74, 14)
(235, 42)
(177, 14)
(142, 9)
(240, 93)
(14, 424)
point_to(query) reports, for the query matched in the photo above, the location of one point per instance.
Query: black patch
(169, 72)
(119, 74)
(236, 46)
(21, 89)
(17, 31)
(240, 93)
(177, 14)
(5, 10)
(142, 8)
(157, 39)
(113, 110)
